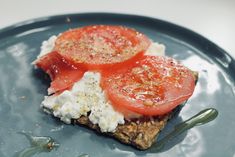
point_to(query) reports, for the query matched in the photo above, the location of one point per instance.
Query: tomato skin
(62, 74)
(65, 79)
(47, 62)
(100, 47)
(152, 86)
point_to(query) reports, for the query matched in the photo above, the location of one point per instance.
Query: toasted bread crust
(139, 133)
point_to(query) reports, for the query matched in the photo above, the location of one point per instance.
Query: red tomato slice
(62, 74)
(101, 46)
(153, 86)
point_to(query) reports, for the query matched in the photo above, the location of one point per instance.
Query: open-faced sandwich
(114, 80)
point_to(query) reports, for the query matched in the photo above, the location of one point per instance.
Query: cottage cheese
(47, 46)
(86, 96)
(156, 49)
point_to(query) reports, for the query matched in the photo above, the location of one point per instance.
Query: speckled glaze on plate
(22, 88)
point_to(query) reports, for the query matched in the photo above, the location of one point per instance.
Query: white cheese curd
(47, 46)
(85, 96)
(156, 49)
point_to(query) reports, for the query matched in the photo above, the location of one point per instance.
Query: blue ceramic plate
(22, 88)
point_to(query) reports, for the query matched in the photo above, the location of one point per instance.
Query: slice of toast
(140, 133)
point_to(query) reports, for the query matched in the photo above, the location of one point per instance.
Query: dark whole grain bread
(139, 133)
